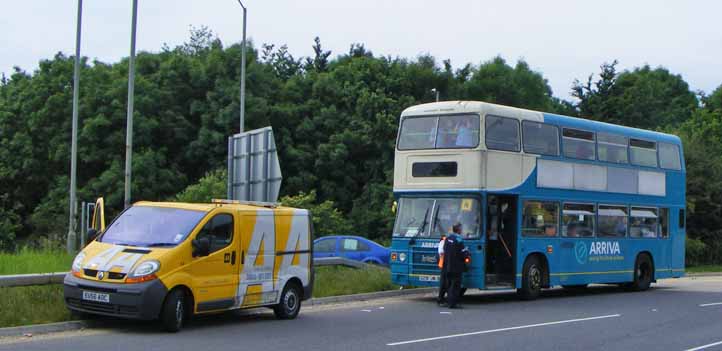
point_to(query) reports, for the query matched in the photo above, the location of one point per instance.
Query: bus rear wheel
(532, 278)
(643, 270)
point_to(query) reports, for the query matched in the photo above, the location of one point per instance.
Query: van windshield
(152, 226)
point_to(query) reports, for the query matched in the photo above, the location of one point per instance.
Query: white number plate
(429, 278)
(94, 296)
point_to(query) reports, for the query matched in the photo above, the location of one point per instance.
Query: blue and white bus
(543, 200)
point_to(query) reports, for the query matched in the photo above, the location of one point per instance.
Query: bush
(327, 219)
(696, 252)
(213, 185)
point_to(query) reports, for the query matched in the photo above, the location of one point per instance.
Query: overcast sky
(562, 39)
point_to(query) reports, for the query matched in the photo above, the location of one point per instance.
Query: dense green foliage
(335, 121)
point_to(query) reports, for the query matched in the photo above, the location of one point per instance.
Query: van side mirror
(201, 247)
(92, 234)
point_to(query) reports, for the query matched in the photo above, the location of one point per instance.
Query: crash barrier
(7, 281)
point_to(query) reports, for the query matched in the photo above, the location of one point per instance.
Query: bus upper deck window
(578, 144)
(643, 152)
(502, 133)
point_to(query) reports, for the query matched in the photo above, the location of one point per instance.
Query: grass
(44, 304)
(336, 280)
(704, 269)
(34, 261)
(32, 305)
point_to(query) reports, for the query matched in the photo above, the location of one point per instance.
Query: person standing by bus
(454, 265)
(443, 287)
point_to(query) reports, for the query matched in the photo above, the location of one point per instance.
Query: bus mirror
(394, 206)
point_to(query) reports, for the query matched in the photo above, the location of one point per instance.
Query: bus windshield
(444, 132)
(152, 226)
(435, 217)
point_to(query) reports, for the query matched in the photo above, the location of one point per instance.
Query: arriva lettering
(603, 248)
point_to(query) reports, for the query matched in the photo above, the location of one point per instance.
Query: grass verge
(704, 269)
(32, 305)
(337, 280)
(32, 261)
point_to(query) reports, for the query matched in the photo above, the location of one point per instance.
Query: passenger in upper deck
(464, 135)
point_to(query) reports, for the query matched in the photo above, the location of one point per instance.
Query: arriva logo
(580, 252)
(598, 251)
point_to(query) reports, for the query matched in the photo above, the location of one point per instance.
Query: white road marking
(444, 312)
(710, 304)
(381, 308)
(502, 329)
(704, 346)
(365, 310)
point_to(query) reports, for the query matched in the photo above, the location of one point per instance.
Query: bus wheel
(173, 313)
(531, 281)
(642, 273)
(290, 303)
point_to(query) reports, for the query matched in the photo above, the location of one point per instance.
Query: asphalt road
(681, 314)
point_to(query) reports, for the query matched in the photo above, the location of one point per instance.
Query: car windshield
(152, 226)
(435, 217)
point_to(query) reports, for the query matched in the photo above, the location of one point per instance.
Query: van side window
(219, 231)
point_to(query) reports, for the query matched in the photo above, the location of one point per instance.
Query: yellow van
(169, 261)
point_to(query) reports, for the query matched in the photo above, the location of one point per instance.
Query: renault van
(169, 261)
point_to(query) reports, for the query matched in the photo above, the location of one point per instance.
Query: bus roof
(452, 107)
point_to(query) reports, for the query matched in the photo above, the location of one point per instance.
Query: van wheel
(643, 269)
(290, 303)
(531, 281)
(174, 310)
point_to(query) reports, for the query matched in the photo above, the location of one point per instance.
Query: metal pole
(243, 70)
(436, 91)
(129, 126)
(72, 226)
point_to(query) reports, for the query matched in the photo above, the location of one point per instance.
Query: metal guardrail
(7, 281)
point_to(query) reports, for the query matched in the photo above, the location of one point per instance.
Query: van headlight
(78, 262)
(144, 272)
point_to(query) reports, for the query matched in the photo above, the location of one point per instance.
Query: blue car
(352, 247)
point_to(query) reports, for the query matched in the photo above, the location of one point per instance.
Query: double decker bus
(542, 200)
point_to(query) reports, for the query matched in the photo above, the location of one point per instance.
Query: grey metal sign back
(254, 173)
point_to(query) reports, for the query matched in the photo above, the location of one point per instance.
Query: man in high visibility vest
(441, 300)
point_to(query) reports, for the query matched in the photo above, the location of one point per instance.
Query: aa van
(170, 261)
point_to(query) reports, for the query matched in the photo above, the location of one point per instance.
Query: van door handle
(243, 257)
(233, 258)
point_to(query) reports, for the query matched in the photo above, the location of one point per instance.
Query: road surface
(681, 314)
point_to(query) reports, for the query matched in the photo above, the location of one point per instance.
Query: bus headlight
(394, 256)
(402, 257)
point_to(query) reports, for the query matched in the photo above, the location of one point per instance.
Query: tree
(644, 97)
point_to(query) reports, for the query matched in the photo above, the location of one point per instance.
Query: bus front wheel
(532, 278)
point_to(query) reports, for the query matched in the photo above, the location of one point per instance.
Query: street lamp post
(72, 226)
(129, 125)
(436, 91)
(243, 69)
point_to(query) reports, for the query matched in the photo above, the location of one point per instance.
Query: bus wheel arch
(535, 276)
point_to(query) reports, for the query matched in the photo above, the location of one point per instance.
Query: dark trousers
(443, 287)
(453, 281)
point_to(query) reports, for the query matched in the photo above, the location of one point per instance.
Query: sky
(564, 40)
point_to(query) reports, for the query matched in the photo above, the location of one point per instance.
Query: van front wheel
(173, 313)
(290, 303)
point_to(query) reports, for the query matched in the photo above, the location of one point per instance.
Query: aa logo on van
(580, 252)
